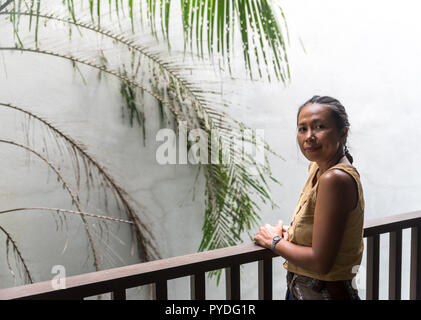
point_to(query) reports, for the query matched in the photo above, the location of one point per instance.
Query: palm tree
(211, 30)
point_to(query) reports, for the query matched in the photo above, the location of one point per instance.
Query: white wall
(366, 54)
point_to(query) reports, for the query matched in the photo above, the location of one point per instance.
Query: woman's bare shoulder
(340, 184)
(337, 177)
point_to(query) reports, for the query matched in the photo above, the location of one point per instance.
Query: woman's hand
(264, 236)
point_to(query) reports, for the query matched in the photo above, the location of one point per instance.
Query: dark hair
(339, 114)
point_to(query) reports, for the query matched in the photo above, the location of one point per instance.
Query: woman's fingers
(279, 224)
(264, 235)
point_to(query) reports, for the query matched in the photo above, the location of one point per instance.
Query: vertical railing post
(197, 286)
(395, 265)
(232, 282)
(415, 280)
(161, 290)
(373, 244)
(265, 279)
(119, 294)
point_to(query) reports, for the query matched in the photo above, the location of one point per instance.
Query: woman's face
(318, 135)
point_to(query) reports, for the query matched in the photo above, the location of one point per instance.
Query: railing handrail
(391, 223)
(143, 273)
(115, 279)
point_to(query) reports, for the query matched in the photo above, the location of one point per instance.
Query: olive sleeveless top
(301, 229)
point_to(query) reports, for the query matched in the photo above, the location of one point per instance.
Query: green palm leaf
(207, 24)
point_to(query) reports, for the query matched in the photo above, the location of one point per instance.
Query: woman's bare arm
(336, 197)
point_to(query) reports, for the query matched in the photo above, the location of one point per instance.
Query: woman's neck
(325, 165)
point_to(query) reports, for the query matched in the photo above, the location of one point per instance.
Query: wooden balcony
(195, 266)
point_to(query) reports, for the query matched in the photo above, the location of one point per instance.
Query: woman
(324, 244)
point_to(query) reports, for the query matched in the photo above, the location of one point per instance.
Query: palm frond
(230, 208)
(59, 210)
(174, 74)
(209, 26)
(20, 261)
(74, 197)
(83, 160)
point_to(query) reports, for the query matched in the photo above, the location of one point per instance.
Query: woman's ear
(344, 135)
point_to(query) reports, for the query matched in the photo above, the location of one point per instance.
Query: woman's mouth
(312, 149)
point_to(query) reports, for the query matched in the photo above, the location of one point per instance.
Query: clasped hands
(264, 236)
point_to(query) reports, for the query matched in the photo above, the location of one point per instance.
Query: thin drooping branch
(58, 210)
(145, 242)
(102, 68)
(74, 197)
(9, 239)
(4, 5)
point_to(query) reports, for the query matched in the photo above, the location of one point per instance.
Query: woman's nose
(309, 135)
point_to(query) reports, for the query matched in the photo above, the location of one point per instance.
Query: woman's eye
(302, 129)
(320, 126)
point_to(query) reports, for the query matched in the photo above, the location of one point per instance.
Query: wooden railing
(195, 266)
(394, 226)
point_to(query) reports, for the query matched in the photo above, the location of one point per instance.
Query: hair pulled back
(339, 114)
